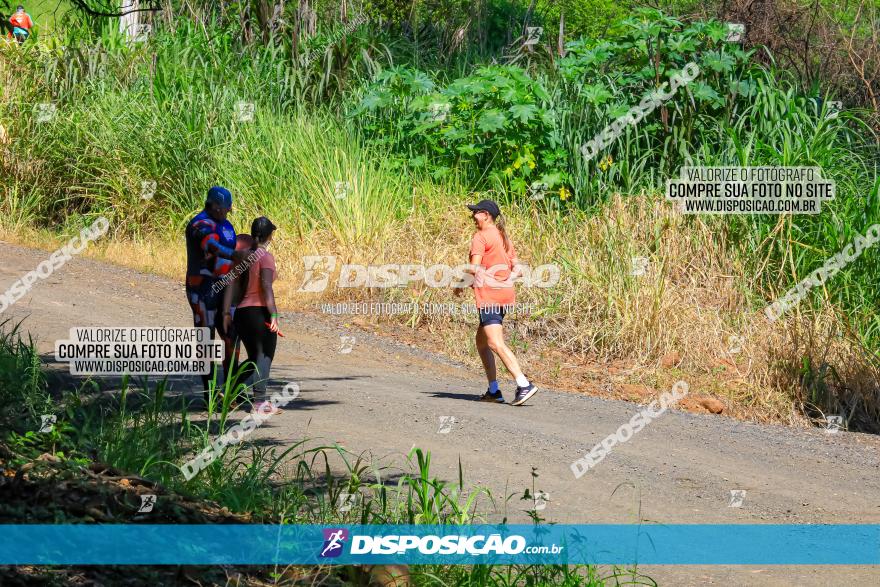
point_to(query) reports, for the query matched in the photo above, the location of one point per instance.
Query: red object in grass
(270, 327)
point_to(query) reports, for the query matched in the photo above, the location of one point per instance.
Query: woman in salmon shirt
(494, 264)
(21, 24)
(256, 317)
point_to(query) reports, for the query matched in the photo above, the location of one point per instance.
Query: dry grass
(601, 330)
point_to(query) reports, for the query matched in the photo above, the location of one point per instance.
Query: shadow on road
(459, 396)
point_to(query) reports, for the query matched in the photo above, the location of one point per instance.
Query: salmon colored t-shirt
(253, 295)
(22, 21)
(492, 286)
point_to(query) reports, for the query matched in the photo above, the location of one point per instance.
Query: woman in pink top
(494, 263)
(256, 317)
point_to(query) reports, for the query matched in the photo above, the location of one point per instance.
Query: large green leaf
(491, 120)
(706, 93)
(596, 94)
(744, 87)
(540, 92)
(374, 100)
(717, 31)
(523, 112)
(717, 61)
(453, 134)
(420, 82)
(470, 149)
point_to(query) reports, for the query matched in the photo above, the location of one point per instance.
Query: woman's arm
(269, 296)
(268, 293)
(227, 295)
(516, 270)
(471, 269)
(478, 249)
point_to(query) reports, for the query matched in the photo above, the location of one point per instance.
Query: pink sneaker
(267, 408)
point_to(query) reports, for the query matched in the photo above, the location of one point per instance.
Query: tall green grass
(166, 112)
(778, 126)
(23, 393)
(124, 119)
(145, 431)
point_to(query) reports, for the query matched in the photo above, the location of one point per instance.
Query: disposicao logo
(444, 545)
(333, 542)
(479, 545)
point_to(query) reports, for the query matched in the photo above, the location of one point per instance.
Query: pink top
(492, 286)
(253, 295)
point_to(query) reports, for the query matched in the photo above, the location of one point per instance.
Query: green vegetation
(494, 127)
(145, 432)
(410, 113)
(408, 124)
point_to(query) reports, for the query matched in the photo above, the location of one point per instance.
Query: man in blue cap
(210, 250)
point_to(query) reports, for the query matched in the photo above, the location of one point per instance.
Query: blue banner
(681, 544)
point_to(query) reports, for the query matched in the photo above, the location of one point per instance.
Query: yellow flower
(517, 165)
(531, 164)
(564, 194)
(508, 171)
(606, 163)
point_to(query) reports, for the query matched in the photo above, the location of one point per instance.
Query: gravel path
(382, 397)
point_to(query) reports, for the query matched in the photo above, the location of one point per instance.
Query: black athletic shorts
(491, 315)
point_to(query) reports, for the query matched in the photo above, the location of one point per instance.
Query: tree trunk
(263, 16)
(560, 45)
(297, 24)
(528, 18)
(129, 22)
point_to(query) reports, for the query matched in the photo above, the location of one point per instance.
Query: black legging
(259, 341)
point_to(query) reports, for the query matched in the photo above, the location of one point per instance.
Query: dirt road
(383, 397)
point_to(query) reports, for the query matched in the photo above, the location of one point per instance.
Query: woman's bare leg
(486, 355)
(495, 337)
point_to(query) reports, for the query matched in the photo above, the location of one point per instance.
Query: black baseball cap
(262, 227)
(486, 206)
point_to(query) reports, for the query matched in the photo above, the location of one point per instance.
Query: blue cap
(220, 196)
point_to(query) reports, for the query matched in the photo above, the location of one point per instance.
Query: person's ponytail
(499, 224)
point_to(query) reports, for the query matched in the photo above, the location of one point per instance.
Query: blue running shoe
(523, 394)
(492, 397)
